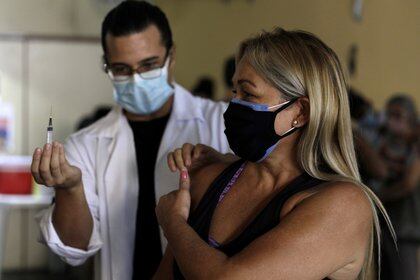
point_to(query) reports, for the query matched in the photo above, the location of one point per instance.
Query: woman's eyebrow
(242, 81)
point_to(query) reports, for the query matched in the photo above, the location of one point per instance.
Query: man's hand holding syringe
(71, 217)
(50, 167)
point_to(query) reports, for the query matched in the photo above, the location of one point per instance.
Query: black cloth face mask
(250, 128)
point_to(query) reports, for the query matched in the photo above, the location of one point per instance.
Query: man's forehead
(137, 46)
(150, 35)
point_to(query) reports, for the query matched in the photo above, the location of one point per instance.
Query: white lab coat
(105, 153)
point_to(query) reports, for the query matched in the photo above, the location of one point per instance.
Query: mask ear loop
(285, 106)
(288, 132)
(292, 129)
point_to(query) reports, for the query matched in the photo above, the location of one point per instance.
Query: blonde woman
(292, 206)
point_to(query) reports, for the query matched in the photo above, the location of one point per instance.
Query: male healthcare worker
(109, 176)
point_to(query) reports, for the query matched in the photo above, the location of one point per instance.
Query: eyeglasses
(123, 72)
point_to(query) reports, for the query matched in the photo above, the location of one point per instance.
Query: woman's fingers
(44, 167)
(171, 162)
(179, 161)
(183, 157)
(198, 149)
(187, 149)
(55, 163)
(36, 160)
(184, 180)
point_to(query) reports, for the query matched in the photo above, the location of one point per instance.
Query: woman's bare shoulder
(203, 176)
(338, 196)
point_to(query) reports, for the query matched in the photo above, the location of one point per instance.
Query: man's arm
(68, 227)
(71, 217)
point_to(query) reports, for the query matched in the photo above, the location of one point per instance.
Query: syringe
(50, 129)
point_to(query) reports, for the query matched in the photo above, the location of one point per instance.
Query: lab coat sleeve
(78, 157)
(219, 128)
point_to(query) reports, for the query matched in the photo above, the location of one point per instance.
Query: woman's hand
(50, 168)
(183, 158)
(175, 206)
(193, 156)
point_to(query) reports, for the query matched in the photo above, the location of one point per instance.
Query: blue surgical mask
(144, 96)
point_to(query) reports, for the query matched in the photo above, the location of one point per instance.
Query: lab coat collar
(185, 105)
(184, 108)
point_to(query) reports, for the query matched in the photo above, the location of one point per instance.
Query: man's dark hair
(229, 71)
(131, 17)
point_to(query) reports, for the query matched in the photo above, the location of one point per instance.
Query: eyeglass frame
(133, 71)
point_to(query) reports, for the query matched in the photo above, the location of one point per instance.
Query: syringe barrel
(49, 136)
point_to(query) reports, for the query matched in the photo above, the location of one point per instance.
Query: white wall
(37, 16)
(53, 17)
(89, 14)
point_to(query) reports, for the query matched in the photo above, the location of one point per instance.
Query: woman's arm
(165, 269)
(203, 175)
(322, 234)
(196, 157)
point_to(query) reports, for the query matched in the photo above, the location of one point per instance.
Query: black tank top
(267, 219)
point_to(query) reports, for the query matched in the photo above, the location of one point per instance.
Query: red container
(15, 175)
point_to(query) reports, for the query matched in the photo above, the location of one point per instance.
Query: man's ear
(172, 54)
(304, 110)
(104, 62)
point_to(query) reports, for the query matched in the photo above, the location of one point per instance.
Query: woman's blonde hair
(299, 64)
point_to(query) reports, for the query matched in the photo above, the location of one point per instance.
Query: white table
(8, 202)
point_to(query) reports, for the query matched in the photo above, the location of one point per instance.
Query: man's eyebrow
(149, 59)
(143, 61)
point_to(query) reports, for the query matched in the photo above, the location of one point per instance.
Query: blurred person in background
(373, 170)
(229, 70)
(97, 114)
(204, 88)
(363, 113)
(110, 174)
(366, 125)
(398, 147)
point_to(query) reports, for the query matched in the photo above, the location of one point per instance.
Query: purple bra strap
(232, 182)
(212, 242)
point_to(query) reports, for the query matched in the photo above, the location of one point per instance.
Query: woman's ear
(303, 112)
